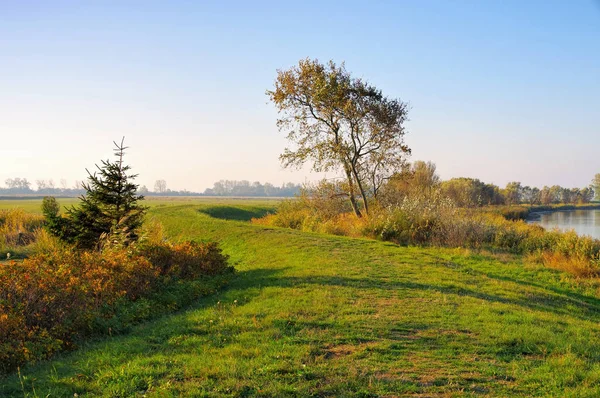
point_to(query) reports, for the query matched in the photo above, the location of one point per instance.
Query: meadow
(310, 314)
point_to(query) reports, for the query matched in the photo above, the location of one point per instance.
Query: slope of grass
(317, 315)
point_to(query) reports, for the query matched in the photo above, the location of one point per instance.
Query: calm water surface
(584, 222)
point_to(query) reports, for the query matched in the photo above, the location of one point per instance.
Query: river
(584, 222)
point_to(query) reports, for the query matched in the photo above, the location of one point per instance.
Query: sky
(498, 90)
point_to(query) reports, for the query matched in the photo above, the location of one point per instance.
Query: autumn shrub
(290, 214)
(322, 207)
(50, 300)
(187, 260)
(415, 220)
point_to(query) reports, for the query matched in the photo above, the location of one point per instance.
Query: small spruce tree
(109, 211)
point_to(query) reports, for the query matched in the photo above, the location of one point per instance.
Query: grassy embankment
(320, 315)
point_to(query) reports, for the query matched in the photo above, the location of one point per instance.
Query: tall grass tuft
(17, 231)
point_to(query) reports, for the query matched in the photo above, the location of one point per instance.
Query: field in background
(34, 205)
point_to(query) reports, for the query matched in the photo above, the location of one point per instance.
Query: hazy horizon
(500, 92)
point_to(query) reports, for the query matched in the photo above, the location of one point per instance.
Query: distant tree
(338, 122)
(269, 189)
(160, 186)
(512, 193)
(45, 186)
(471, 192)
(575, 196)
(534, 196)
(556, 193)
(109, 211)
(143, 190)
(526, 193)
(18, 185)
(565, 195)
(63, 184)
(545, 196)
(596, 185)
(416, 179)
(587, 194)
(425, 178)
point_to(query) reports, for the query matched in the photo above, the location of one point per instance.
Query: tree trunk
(362, 190)
(364, 196)
(351, 186)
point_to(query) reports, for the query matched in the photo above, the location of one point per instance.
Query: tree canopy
(339, 122)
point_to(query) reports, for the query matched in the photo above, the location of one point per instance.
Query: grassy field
(34, 205)
(318, 315)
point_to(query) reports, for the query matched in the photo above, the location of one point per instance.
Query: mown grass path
(316, 315)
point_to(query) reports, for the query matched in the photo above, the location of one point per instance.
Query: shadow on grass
(236, 213)
(564, 295)
(551, 300)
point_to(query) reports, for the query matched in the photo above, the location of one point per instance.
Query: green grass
(318, 315)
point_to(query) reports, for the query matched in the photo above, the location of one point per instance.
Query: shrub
(50, 300)
(290, 214)
(416, 220)
(187, 260)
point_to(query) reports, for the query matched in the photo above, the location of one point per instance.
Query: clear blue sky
(499, 90)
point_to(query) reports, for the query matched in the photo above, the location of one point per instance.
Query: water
(584, 222)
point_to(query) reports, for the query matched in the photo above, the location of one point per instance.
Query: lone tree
(109, 210)
(160, 186)
(340, 123)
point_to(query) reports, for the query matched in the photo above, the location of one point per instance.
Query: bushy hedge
(50, 300)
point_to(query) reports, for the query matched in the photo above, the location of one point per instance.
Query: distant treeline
(245, 188)
(418, 177)
(421, 178)
(469, 192)
(21, 186)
